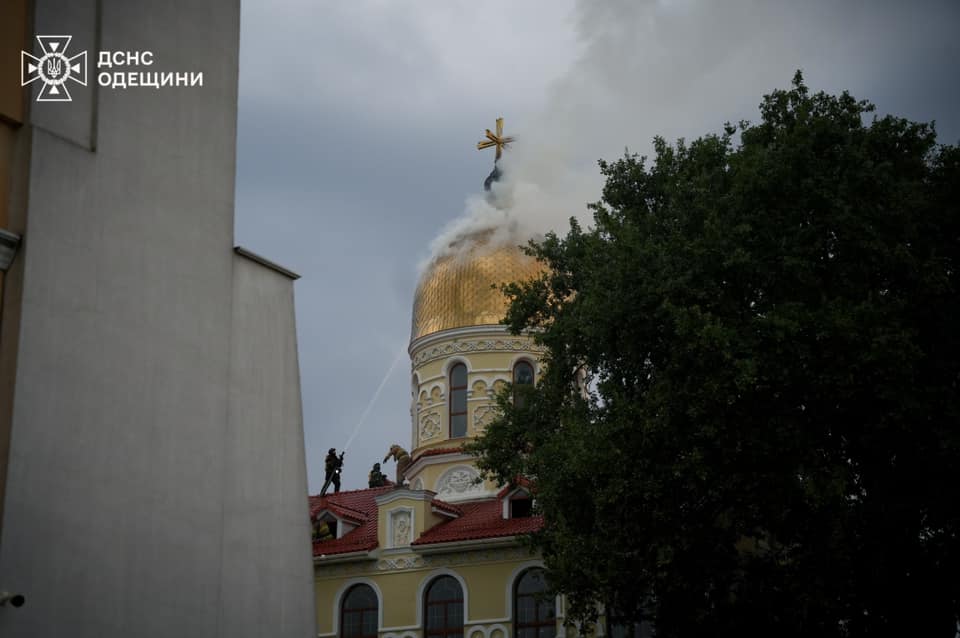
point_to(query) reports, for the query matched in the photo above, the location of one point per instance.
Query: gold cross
(497, 140)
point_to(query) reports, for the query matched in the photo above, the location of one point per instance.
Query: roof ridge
(391, 485)
(347, 510)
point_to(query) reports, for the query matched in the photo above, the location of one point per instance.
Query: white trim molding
(345, 557)
(529, 358)
(454, 360)
(404, 493)
(509, 495)
(485, 628)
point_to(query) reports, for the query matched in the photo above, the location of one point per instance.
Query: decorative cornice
(436, 459)
(493, 343)
(458, 334)
(438, 555)
(453, 333)
(346, 557)
(401, 493)
(401, 562)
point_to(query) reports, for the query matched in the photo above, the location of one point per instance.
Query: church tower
(441, 554)
(461, 356)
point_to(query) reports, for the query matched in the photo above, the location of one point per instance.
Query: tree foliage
(769, 441)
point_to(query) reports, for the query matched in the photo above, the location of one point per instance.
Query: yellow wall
(487, 578)
(419, 504)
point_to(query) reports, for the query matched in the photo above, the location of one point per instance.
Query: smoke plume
(681, 68)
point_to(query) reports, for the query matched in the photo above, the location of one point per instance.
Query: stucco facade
(154, 474)
(487, 576)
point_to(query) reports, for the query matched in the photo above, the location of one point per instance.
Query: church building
(440, 554)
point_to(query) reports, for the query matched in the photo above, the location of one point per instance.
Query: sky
(358, 124)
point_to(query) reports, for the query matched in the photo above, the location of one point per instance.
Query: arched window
(534, 613)
(458, 401)
(443, 613)
(358, 613)
(522, 375)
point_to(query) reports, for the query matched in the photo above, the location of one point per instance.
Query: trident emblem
(53, 68)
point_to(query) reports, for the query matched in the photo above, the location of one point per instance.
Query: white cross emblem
(53, 68)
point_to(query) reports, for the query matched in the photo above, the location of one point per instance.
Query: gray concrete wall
(267, 567)
(126, 504)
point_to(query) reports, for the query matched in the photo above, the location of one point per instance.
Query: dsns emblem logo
(54, 68)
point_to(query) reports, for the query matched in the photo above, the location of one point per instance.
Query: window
(534, 611)
(522, 376)
(358, 613)
(443, 616)
(325, 528)
(521, 506)
(523, 373)
(458, 401)
(518, 503)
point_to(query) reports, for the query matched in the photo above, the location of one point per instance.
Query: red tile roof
(476, 520)
(344, 512)
(446, 507)
(362, 502)
(481, 519)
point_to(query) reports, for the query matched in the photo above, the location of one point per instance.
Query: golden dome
(457, 289)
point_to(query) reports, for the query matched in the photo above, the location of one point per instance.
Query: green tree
(769, 441)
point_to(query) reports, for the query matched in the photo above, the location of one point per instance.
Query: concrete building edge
(11, 290)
